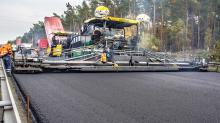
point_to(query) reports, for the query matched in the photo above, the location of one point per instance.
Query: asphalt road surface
(181, 97)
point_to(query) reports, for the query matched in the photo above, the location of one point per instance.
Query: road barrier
(10, 111)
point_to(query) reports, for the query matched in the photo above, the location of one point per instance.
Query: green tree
(149, 41)
(34, 34)
(175, 22)
(216, 52)
(208, 38)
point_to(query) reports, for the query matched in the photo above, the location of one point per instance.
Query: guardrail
(10, 111)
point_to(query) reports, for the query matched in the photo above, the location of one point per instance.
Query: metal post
(106, 43)
(28, 108)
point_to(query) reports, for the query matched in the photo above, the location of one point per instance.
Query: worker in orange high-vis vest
(5, 53)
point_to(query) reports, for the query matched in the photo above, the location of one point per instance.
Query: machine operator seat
(96, 37)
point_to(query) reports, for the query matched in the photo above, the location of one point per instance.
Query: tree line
(178, 25)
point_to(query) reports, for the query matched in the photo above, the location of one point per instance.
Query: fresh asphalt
(146, 97)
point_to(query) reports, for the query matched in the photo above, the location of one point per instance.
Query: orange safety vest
(6, 49)
(0, 50)
(9, 46)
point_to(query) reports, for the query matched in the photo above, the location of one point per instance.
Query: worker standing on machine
(103, 57)
(108, 55)
(5, 53)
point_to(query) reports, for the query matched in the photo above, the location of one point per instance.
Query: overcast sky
(17, 16)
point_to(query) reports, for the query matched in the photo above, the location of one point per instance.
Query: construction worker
(5, 53)
(103, 57)
(131, 63)
(108, 55)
